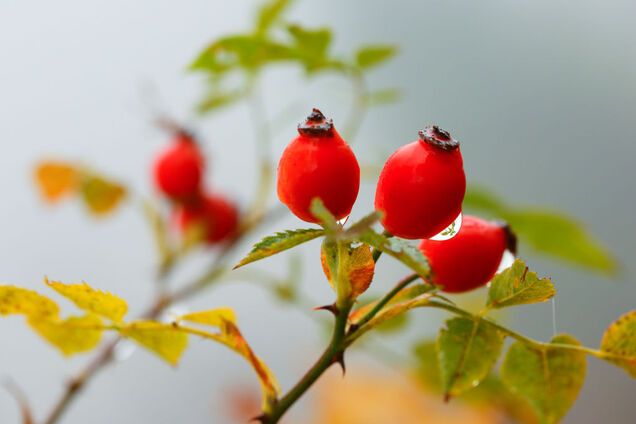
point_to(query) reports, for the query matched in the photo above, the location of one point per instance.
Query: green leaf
(547, 232)
(279, 242)
(468, 349)
(427, 358)
(269, 13)
(320, 211)
(550, 378)
(361, 226)
(371, 56)
(72, 335)
(88, 299)
(312, 42)
(619, 341)
(383, 97)
(217, 99)
(164, 340)
(518, 286)
(400, 249)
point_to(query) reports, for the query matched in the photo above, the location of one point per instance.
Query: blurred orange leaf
(56, 180)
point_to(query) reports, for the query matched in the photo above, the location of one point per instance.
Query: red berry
(318, 163)
(471, 258)
(178, 170)
(216, 216)
(422, 186)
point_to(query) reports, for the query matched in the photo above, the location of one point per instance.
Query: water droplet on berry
(344, 220)
(506, 261)
(450, 231)
(124, 350)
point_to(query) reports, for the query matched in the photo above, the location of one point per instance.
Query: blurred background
(540, 93)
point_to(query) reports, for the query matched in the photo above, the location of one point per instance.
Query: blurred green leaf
(371, 56)
(403, 295)
(383, 97)
(216, 99)
(468, 349)
(279, 242)
(550, 378)
(361, 226)
(269, 13)
(394, 325)
(518, 286)
(327, 220)
(547, 232)
(620, 340)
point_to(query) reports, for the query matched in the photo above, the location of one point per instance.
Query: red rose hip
(318, 163)
(215, 216)
(471, 258)
(422, 186)
(178, 170)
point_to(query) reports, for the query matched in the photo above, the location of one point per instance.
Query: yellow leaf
(88, 299)
(361, 269)
(162, 339)
(16, 300)
(213, 317)
(100, 195)
(232, 338)
(55, 180)
(72, 335)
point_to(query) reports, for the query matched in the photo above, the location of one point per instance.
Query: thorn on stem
(339, 359)
(331, 308)
(447, 397)
(260, 418)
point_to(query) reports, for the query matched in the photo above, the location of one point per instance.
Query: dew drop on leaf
(450, 231)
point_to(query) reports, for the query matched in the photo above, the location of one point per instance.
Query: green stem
(386, 299)
(331, 355)
(377, 253)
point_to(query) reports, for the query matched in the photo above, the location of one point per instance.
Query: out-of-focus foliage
(619, 342)
(545, 231)
(57, 180)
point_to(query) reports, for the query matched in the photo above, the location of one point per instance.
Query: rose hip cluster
(178, 175)
(420, 193)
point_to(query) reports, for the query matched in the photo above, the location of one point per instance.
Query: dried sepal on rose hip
(471, 258)
(212, 219)
(318, 164)
(422, 186)
(178, 169)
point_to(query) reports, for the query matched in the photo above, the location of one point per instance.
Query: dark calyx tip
(316, 124)
(511, 237)
(435, 136)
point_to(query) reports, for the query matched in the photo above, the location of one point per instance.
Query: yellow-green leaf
(164, 340)
(467, 349)
(400, 249)
(549, 378)
(324, 215)
(16, 300)
(619, 341)
(91, 300)
(518, 286)
(403, 295)
(371, 56)
(214, 317)
(279, 242)
(72, 335)
(100, 195)
(359, 266)
(56, 180)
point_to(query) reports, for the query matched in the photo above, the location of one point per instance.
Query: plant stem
(386, 299)
(331, 355)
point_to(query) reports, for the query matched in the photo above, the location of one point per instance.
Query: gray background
(541, 93)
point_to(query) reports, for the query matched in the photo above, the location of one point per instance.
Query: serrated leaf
(371, 56)
(548, 232)
(279, 242)
(550, 378)
(164, 340)
(89, 299)
(518, 286)
(468, 349)
(400, 249)
(56, 179)
(72, 335)
(214, 317)
(100, 195)
(619, 341)
(16, 300)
